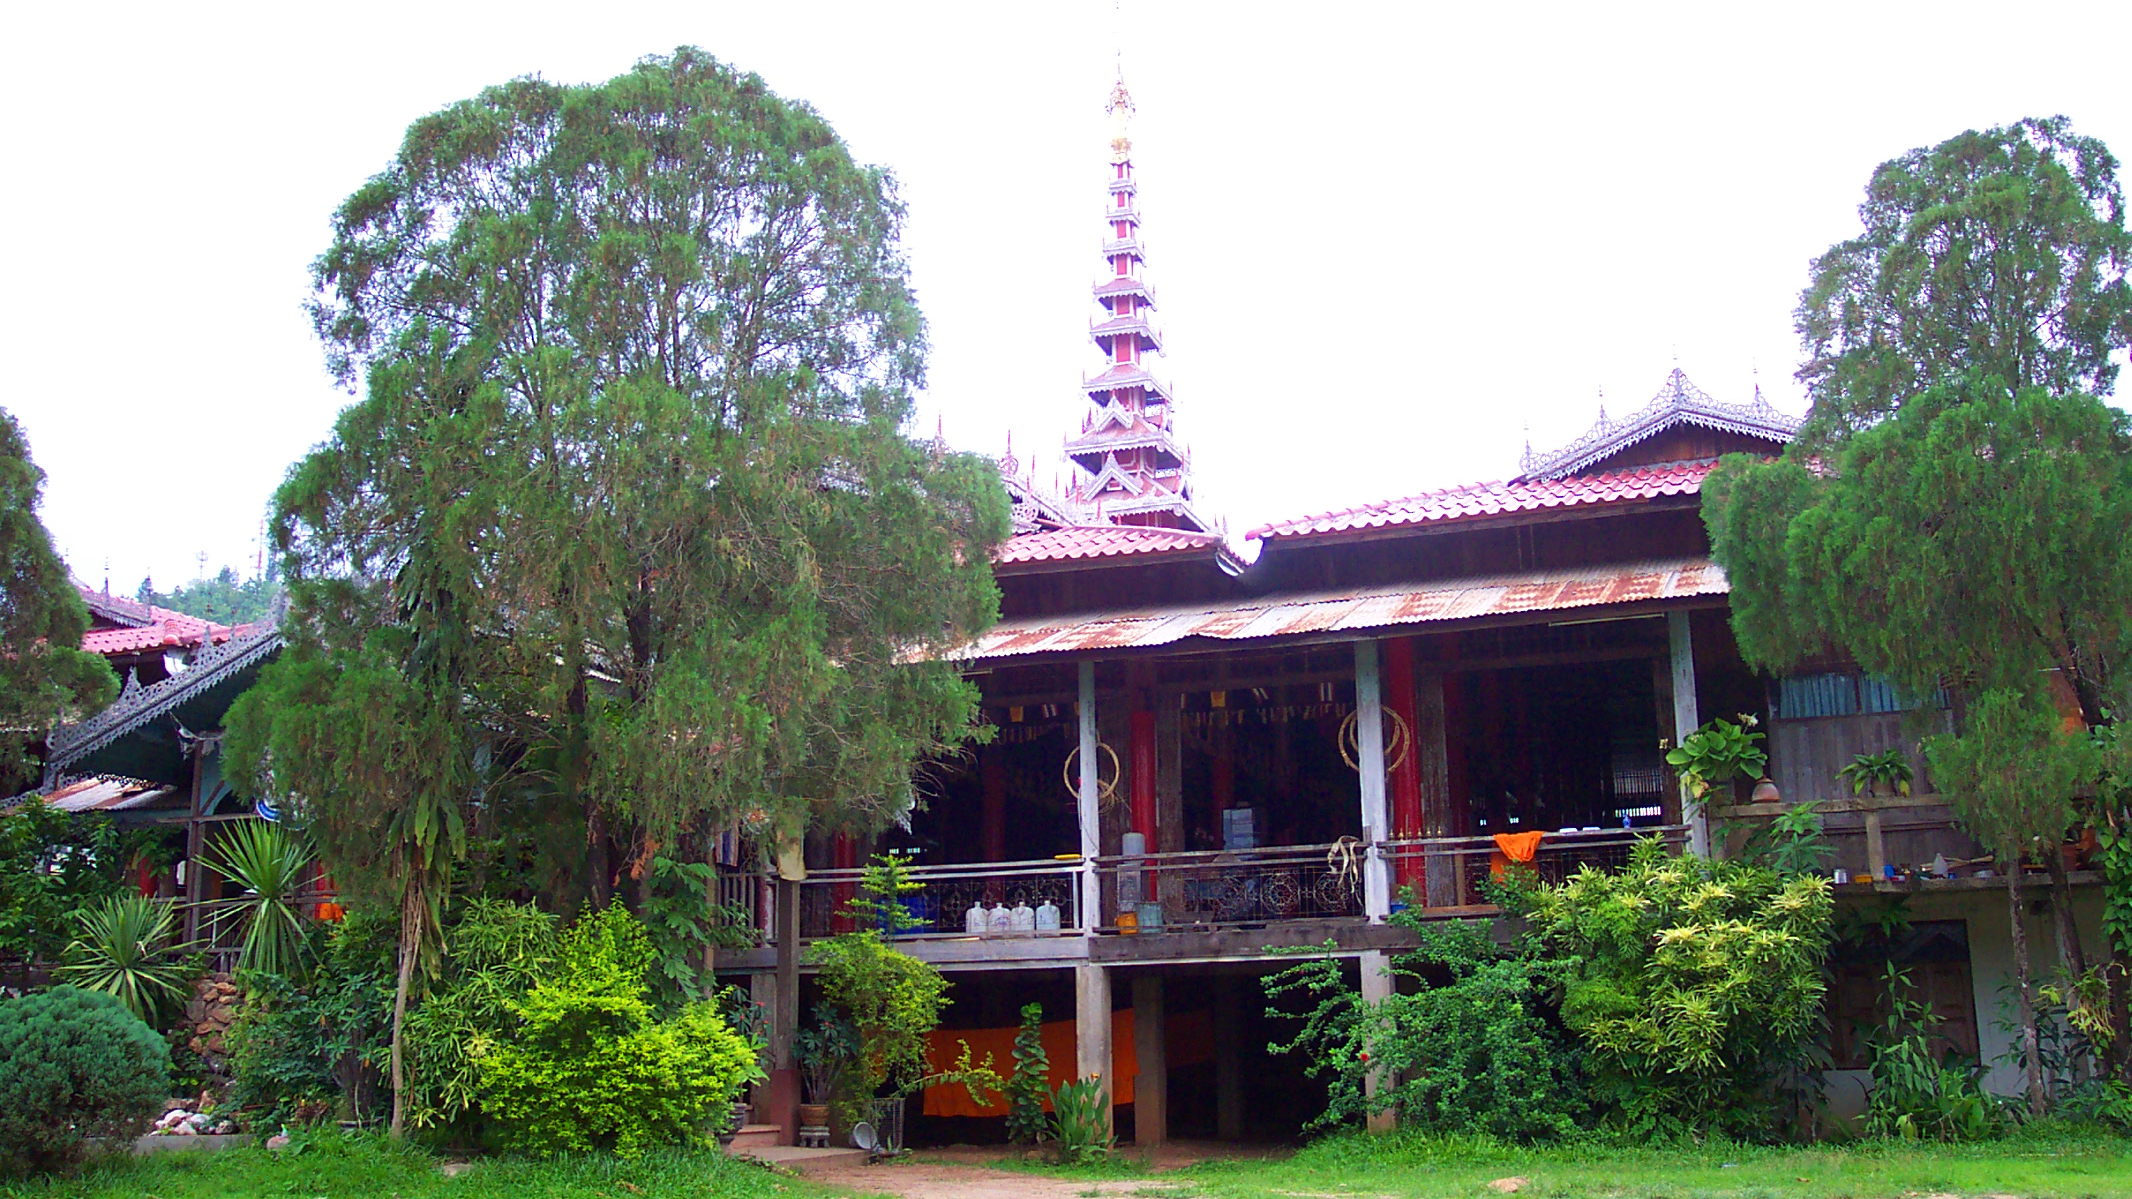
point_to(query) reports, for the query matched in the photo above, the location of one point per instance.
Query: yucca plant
(266, 862)
(127, 949)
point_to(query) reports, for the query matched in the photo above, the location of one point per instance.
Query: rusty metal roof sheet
(1354, 609)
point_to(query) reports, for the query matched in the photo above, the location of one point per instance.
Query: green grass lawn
(335, 1168)
(2051, 1162)
(2041, 1163)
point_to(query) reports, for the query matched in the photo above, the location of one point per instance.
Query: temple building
(1208, 754)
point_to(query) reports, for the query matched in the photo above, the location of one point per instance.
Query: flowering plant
(1718, 751)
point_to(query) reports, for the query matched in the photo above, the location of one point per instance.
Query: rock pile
(209, 1012)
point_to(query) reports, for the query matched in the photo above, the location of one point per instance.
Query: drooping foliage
(1951, 518)
(74, 1064)
(1466, 1043)
(891, 999)
(1691, 983)
(626, 525)
(45, 676)
(126, 947)
(493, 954)
(1998, 254)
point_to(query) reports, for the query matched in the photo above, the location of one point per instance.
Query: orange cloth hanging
(1189, 1037)
(1521, 848)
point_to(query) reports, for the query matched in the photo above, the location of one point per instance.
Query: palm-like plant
(267, 863)
(127, 950)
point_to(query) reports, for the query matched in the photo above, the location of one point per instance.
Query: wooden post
(1376, 988)
(1686, 720)
(1876, 848)
(1369, 736)
(1228, 1058)
(1091, 1025)
(1089, 806)
(1151, 1088)
(1432, 753)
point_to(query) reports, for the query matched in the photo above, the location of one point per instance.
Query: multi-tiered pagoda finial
(1132, 468)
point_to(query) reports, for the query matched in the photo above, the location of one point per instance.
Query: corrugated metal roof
(99, 793)
(1498, 499)
(1356, 609)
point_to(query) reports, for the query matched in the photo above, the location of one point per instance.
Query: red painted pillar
(1143, 775)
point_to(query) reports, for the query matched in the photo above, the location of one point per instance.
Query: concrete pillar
(1091, 1024)
(1090, 809)
(1151, 1088)
(1376, 823)
(1376, 988)
(1685, 720)
(1228, 1062)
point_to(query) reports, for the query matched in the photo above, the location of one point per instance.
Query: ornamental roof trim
(138, 704)
(1678, 402)
(1473, 501)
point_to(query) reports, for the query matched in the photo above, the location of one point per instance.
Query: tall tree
(631, 468)
(45, 675)
(1995, 254)
(1951, 518)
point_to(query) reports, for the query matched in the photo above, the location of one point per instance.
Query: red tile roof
(1475, 500)
(1100, 541)
(160, 628)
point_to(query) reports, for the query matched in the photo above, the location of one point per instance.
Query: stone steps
(756, 1136)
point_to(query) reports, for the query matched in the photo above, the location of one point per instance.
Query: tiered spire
(1133, 469)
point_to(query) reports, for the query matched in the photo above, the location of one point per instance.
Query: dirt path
(970, 1172)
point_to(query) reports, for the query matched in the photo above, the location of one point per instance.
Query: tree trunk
(411, 904)
(2031, 1050)
(599, 855)
(2070, 955)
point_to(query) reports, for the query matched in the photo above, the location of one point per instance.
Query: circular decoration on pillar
(1398, 740)
(1106, 788)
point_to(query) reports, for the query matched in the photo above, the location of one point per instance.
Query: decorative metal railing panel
(942, 908)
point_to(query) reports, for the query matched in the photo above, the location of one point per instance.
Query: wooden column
(1151, 1087)
(1686, 720)
(1369, 735)
(1376, 988)
(1228, 1058)
(1089, 806)
(1404, 775)
(992, 775)
(1091, 1025)
(1432, 757)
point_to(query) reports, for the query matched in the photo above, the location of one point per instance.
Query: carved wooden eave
(137, 705)
(1678, 402)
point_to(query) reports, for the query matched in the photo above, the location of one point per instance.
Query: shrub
(1915, 1095)
(589, 1067)
(126, 950)
(299, 1049)
(73, 1064)
(1080, 1121)
(892, 999)
(1692, 984)
(494, 952)
(1030, 1086)
(1467, 1046)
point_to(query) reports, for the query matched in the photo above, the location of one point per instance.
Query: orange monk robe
(1190, 1041)
(1513, 847)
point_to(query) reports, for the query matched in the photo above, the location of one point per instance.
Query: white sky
(1387, 239)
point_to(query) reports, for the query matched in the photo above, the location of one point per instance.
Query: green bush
(73, 1064)
(892, 999)
(1692, 984)
(1080, 1121)
(590, 1067)
(127, 949)
(1466, 1045)
(494, 952)
(302, 1049)
(1915, 1094)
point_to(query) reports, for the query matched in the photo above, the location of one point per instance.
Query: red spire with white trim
(1133, 469)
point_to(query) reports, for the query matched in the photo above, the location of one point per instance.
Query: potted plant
(822, 1054)
(751, 1020)
(1718, 752)
(1884, 773)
